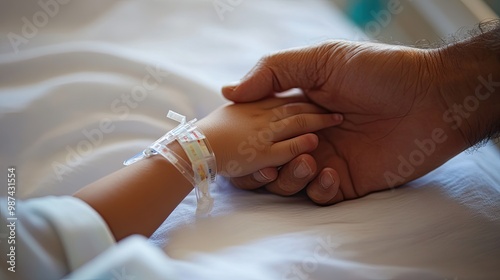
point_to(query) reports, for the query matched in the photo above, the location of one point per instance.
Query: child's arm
(244, 137)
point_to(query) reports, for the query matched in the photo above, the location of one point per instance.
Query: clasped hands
(388, 96)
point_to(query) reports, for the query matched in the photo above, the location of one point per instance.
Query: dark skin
(391, 97)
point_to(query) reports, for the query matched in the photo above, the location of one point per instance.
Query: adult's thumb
(293, 68)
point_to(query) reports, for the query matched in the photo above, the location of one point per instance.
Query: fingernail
(302, 170)
(261, 177)
(232, 85)
(326, 180)
(337, 117)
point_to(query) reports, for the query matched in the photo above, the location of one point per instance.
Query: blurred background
(411, 21)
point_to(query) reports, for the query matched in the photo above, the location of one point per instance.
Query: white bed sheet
(78, 69)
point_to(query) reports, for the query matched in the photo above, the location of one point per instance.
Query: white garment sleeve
(53, 236)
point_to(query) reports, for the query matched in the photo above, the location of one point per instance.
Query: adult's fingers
(293, 68)
(299, 173)
(325, 188)
(256, 180)
(294, 176)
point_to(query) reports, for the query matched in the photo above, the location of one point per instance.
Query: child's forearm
(244, 139)
(138, 198)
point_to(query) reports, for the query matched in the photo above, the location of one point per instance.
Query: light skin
(152, 188)
(390, 96)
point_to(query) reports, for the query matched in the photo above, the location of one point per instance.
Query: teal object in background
(360, 11)
(495, 5)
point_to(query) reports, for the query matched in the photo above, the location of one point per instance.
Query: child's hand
(244, 137)
(247, 137)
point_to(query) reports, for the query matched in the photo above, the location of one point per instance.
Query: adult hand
(395, 103)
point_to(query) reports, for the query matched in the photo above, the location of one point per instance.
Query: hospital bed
(74, 105)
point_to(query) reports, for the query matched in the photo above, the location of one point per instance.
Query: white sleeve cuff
(82, 231)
